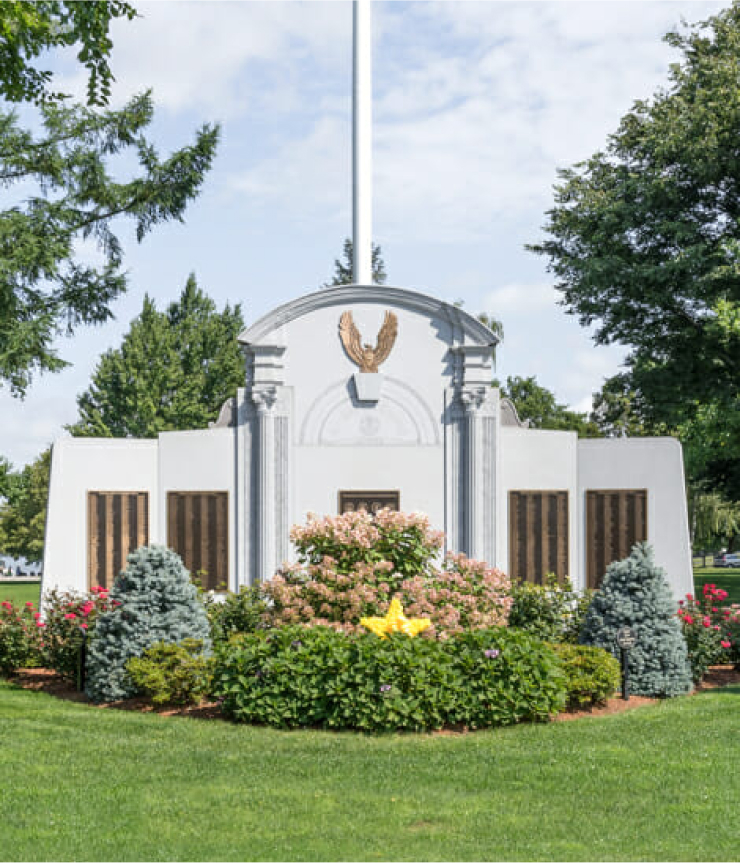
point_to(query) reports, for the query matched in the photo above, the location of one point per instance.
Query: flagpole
(362, 164)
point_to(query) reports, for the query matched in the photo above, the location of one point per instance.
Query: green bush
(245, 611)
(153, 600)
(173, 673)
(635, 593)
(293, 676)
(592, 674)
(20, 637)
(553, 612)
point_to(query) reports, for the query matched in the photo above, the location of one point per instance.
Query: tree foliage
(29, 29)
(46, 286)
(644, 240)
(152, 600)
(173, 370)
(23, 513)
(539, 406)
(635, 593)
(343, 268)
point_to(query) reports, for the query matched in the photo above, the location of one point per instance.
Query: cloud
(517, 299)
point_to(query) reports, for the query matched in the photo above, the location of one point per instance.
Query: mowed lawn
(19, 593)
(727, 579)
(80, 783)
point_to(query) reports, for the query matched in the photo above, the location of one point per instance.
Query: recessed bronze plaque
(369, 501)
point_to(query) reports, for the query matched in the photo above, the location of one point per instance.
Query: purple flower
(491, 654)
(296, 644)
(386, 687)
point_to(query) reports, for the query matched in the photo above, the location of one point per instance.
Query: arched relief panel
(400, 418)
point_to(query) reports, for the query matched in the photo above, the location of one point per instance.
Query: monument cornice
(466, 324)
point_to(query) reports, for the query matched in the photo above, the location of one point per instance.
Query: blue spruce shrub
(156, 602)
(635, 593)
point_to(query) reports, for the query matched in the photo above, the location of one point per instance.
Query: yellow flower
(396, 621)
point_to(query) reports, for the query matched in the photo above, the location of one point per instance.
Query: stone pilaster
(478, 470)
(269, 510)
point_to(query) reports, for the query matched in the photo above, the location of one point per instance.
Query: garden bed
(43, 680)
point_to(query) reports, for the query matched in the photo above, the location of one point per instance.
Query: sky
(476, 105)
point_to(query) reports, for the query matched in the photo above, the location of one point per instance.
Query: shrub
(173, 673)
(553, 612)
(293, 676)
(66, 616)
(708, 627)
(154, 600)
(592, 674)
(635, 593)
(20, 637)
(245, 611)
(351, 566)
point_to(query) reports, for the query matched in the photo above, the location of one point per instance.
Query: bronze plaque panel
(370, 501)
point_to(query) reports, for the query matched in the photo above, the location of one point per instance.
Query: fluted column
(478, 471)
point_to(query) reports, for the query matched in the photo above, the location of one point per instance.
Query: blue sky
(476, 105)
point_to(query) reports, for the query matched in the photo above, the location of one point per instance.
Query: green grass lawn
(79, 783)
(727, 579)
(19, 593)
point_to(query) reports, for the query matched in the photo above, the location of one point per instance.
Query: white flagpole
(362, 162)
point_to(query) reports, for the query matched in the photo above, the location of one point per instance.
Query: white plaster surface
(536, 460)
(79, 465)
(657, 465)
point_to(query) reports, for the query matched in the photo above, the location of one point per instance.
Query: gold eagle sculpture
(367, 357)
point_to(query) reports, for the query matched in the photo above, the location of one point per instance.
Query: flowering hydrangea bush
(67, 615)
(352, 566)
(20, 637)
(711, 629)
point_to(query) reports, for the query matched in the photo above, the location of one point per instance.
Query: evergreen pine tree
(635, 593)
(154, 600)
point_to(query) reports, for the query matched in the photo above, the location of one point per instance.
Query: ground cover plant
(660, 782)
(295, 676)
(635, 593)
(152, 600)
(351, 566)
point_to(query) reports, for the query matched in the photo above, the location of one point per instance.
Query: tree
(45, 289)
(635, 593)
(28, 29)
(152, 600)
(343, 269)
(539, 406)
(644, 240)
(173, 370)
(714, 521)
(23, 514)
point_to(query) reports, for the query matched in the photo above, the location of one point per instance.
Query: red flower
(715, 610)
(83, 626)
(29, 605)
(706, 622)
(70, 616)
(689, 597)
(688, 619)
(726, 644)
(40, 624)
(680, 602)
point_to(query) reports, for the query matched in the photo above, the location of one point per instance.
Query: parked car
(730, 561)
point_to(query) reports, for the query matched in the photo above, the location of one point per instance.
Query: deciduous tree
(644, 240)
(539, 406)
(173, 370)
(23, 513)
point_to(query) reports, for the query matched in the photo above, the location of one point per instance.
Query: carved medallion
(367, 357)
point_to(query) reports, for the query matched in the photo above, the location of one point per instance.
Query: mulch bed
(43, 680)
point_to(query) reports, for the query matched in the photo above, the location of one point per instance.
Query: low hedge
(295, 676)
(592, 674)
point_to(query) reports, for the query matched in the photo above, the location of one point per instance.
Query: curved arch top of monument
(466, 328)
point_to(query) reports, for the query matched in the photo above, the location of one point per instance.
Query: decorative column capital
(473, 398)
(264, 399)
